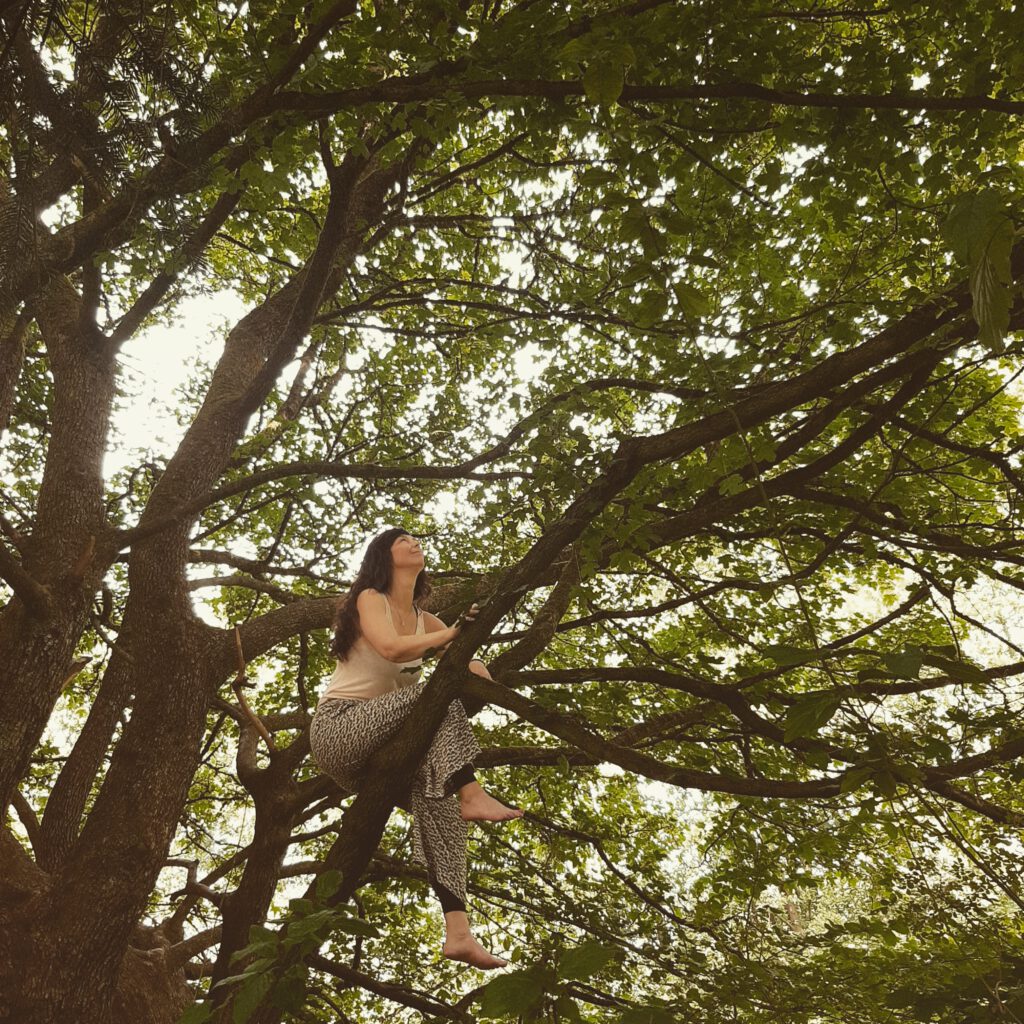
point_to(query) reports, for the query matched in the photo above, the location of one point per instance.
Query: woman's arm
(433, 624)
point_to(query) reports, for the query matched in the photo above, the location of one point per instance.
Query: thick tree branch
(543, 628)
(405, 90)
(571, 729)
(32, 594)
(13, 336)
(389, 990)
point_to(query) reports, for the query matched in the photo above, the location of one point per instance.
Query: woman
(380, 637)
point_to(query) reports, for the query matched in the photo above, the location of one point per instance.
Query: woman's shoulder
(368, 602)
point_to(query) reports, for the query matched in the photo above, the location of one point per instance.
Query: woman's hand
(467, 616)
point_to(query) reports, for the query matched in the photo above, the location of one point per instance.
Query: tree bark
(81, 927)
(69, 549)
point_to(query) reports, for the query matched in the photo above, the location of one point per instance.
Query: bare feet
(467, 949)
(476, 804)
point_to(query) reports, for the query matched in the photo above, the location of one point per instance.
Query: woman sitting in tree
(380, 630)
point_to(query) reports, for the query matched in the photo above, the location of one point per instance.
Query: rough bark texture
(77, 930)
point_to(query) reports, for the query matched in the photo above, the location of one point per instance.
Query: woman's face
(406, 552)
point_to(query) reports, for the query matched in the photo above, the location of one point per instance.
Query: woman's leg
(330, 739)
(453, 748)
(439, 841)
(439, 836)
(343, 740)
(460, 778)
(344, 736)
(449, 901)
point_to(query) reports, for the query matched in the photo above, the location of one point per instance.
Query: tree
(726, 538)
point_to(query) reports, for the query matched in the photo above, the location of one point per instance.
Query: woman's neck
(402, 586)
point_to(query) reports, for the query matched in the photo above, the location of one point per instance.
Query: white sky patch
(154, 365)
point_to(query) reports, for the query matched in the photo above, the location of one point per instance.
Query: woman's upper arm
(431, 624)
(373, 622)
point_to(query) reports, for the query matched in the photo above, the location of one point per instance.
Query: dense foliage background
(685, 336)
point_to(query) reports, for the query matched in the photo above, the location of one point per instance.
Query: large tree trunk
(70, 547)
(77, 929)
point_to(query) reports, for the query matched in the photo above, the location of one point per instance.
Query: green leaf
(597, 176)
(651, 308)
(817, 758)
(603, 81)
(786, 654)
(732, 484)
(578, 49)
(763, 448)
(807, 716)
(623, 52)
(638, 272)
(990, 290)
(885, 782)
(355, 925)
(515, 993)
(936, 748)
(305, 926)
(648, 1015)
(300, 905)
(908, 773)
(327, 884)
(691, 300)
(264, 948)
(249, 997)
(971, 222)
(289, 991)
(855, 778)
(586, 959)
(260, 935)
(904, 665)
(258, 966)
(979, 230)
(567, 1010)
(676, 223)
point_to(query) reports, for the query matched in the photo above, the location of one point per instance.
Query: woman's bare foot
(476, 804)
(467, 949)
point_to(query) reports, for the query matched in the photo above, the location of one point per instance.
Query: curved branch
(572, 729)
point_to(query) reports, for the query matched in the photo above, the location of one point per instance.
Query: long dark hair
(375, 572)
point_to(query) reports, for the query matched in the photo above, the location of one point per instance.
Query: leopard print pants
(345, 732)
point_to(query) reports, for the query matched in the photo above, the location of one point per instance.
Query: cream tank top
(366, 673)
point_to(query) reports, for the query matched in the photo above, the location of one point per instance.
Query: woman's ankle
(456, 925)
(469, 790)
